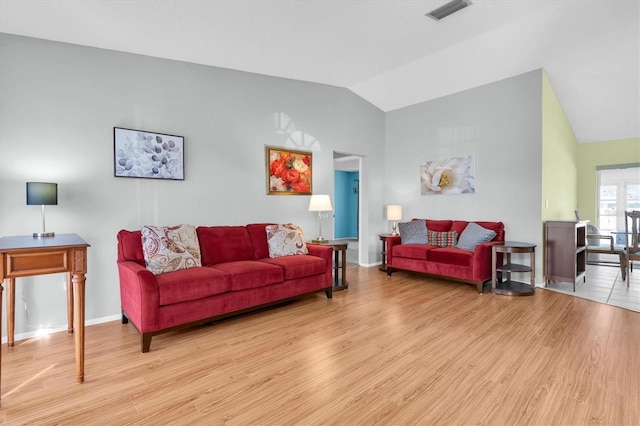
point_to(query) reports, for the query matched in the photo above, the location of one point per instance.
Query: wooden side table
(508, 286)
(339, 262)
(25, 256)
(383, 252)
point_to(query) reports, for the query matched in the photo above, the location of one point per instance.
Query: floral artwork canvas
(148, 155)
(288, 172)
(456, 175)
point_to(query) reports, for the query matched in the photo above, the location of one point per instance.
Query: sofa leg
(329, 292)
(125, 320)
(480, 287)
(146, 342)
(389, 271)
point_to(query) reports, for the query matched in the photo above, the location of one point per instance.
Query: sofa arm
(139, 296)
(482, 268)
(392, 242)
(325, 252)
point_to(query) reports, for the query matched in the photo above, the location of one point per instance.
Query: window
(618, 191)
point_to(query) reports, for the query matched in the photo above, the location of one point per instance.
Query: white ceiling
(386, 51)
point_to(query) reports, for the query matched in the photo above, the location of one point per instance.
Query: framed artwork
(141, 154)
(289, 172)
(456, 175)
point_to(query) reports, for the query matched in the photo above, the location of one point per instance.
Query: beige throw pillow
(285, 240)
(170, 248)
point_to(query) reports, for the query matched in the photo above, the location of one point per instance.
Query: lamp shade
(394, 212)
(320, 203)
(42, 193)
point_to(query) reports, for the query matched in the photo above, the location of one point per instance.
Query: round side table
(508, 286)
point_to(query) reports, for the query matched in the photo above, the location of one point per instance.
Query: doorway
(347, 172)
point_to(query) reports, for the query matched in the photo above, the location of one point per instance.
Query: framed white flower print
(455, 175)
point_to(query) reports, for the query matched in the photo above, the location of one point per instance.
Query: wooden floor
(403, 350)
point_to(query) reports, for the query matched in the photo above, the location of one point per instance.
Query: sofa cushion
(130, 247)
(191, 284)
(246, 274)
(298, 266)
(443, 239)
(412, 251)
(258, 236)
(451, 256)
(414, 232)
(285, 240)
(220, 244)
(439, 225)
(170, 248)
(473, 235)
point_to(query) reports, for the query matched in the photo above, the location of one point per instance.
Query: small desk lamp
(320, 203)
(44, 194)
(394, 213)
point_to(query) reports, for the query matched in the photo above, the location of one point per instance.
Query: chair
(596, 246)
(631, 228)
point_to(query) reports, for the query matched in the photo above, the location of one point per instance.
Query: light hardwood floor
(403, 350)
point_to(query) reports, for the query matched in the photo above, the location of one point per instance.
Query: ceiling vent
(448, 9)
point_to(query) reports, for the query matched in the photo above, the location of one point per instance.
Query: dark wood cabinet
(565, 251)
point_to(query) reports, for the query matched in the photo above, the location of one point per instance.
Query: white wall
(499, 124)
(59, 104)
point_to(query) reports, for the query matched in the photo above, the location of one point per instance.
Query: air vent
(448, 9)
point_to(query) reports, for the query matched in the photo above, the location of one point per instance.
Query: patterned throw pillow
(285, 240)
(473, 235)
(443, 239)
(170, 248)
(414, 232)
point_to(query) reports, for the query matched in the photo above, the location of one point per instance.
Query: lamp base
(44, 234)
(395, 233)
(320, 240)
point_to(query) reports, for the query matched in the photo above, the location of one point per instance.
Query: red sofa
(236, 275)
(473, 267)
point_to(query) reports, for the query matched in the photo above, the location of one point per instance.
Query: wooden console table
(25, 256)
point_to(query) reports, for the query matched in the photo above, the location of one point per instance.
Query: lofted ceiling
(386, 51)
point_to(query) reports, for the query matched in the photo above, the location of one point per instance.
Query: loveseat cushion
(220, 244)
(245, 274)
(191, 284)
(451, 256)
(298, 266)
(412, 251)
(258, 236)
(130, 246)
(440, 225)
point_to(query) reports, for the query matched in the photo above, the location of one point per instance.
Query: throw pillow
(473, 235)
(170, 248)
(285, 240)
(414, 232)
(443, 239)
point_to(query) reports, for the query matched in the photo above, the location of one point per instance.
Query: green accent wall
(591, 155)
(559, 159)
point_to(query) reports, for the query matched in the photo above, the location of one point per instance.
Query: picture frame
(148, 155)
(453, 175)
(289, 172)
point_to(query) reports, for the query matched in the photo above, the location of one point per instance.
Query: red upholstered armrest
(391, 242)
(326, 253)
(139, 295)
(482, 260)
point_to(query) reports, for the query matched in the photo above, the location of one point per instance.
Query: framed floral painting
(288, 171)
(141, 154)
(456, 175)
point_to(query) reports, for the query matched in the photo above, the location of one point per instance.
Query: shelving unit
(565, 251)
(508, 286)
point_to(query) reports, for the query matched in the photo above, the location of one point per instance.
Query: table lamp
(320, 203)
(394, 213)
(44, 194)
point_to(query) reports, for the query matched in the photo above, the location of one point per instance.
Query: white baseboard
(47, 331)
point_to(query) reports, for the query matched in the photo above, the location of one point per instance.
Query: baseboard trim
(46, 331)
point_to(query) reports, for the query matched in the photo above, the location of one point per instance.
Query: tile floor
(604, 284)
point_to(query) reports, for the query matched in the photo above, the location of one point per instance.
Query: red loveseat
(473, 267)
(236, 275)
